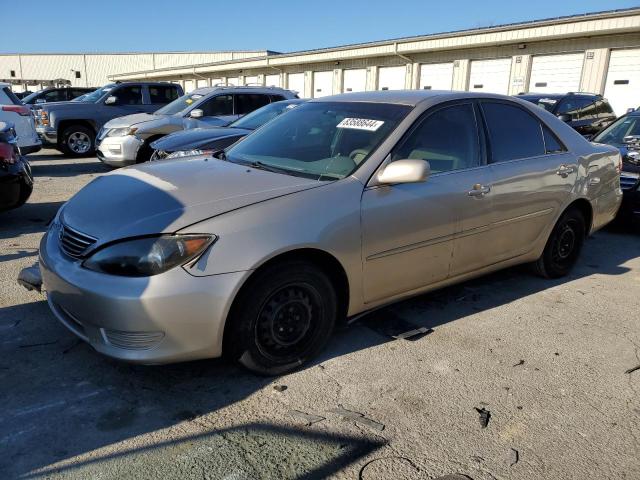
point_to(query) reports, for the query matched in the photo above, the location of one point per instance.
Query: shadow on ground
(48, 165)
(61, 399)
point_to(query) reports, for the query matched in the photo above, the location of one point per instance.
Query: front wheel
(78, 141)
(564, 245)
(283, 318)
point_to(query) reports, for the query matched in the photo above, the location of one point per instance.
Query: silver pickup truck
(71, 127)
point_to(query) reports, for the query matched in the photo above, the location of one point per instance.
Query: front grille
(75, 243)
(132, 340)
(627, 182)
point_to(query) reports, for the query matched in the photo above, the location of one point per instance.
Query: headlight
(144, 257)
(121, 132)
(187, 153)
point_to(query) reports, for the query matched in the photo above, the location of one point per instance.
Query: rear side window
(129, 95)
(219, 105)
(161, 94)
(55, 96)
(277, 98)
(551, 143)
(447, 139)
(576, 107)
(247, 103)
(513, 132)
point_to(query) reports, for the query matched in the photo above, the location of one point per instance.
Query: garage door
(189, 86)
(556, 73)
(622, 87)
(355, 80)
(391, 78)
(296, 83)
(253, 80)
(272, 80)
(322, 84)
(490, 75)
(436, 76)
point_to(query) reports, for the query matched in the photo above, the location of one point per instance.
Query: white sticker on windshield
(361, 124)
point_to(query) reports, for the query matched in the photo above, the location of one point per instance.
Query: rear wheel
(78, 141)
(564, 245)
(282, 318)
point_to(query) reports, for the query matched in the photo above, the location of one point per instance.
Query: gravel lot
(547, 359)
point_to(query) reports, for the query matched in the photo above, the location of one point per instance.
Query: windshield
(179, 104)
(259, 117)
(31, 96)
(98, 94)
(548, 104)
(324, 140)
(614, 134)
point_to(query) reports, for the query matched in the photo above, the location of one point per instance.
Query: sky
(279, 25)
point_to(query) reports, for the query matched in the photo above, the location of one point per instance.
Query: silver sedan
(342, 205)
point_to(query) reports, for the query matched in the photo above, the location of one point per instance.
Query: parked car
(588, 113)
(127, 140)
(16, 181)
(13, 111)
(58, 94)
(624, 134)
(344, 204)
(200, 141)
(72, 126)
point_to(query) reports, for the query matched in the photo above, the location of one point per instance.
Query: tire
(78, 141)
(564, 245)
(282, 318)
(144, 153)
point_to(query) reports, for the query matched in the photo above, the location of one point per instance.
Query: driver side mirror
(111, 100)
(41, 100)
(564, 117)
(196, 113)
(405, 171)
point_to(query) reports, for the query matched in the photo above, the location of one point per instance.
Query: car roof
(408, 97)
(256, 89)
(558, 95)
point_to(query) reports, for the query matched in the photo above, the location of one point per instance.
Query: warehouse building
(35, 71)
(596, 52)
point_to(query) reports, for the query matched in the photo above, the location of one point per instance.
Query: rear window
(12, 96)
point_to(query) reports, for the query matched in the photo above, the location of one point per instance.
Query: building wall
(95, 68)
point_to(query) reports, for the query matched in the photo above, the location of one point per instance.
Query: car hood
(133, 119)
(195, 138)
(164, 197)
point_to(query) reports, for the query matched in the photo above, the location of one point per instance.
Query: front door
(408, 229)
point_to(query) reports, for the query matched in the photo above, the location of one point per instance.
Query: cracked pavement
(569, 410)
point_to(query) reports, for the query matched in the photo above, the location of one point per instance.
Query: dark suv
(625, 135)
(62, 94)
(587, 113)
(72, 126)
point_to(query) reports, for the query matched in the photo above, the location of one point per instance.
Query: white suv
(12, 110)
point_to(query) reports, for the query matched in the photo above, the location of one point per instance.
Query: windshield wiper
(270, 168)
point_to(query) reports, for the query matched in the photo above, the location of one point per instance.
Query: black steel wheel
(282, 318)
(564, 245)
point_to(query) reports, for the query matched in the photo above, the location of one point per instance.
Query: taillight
(7, 154)
(44, 117)
(19, 109)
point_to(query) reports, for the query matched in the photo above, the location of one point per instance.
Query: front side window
(218, 105)
(324, 140)
(247, 103)
(99, 93)
(447, 139)
(161, 94)
(54, 96)
(513, 132)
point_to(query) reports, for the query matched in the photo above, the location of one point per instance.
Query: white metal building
(596, 52)
(33, 71)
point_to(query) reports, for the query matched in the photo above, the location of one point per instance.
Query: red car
(16, 180)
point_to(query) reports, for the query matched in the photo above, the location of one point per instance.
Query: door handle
(565, 170)
(479, 190)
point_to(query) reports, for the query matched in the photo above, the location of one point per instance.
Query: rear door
(248, 102)
(532, 178)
